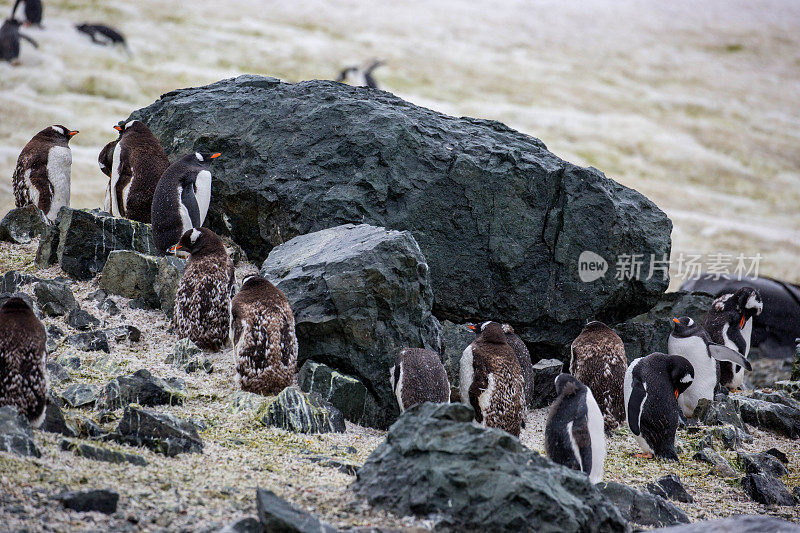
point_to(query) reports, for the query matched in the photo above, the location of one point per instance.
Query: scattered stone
(739, 524)
(80, 241)
(13, 280)
(670, 487)
(161, 433)
(90, 341)
(344, 392)
(720, 465)
(102, 500)
(184, 350)
(779, 455)
(57, 372)
(54, 335)
(767, 490)
(54, 298)
(242, 401)
(359, 294)
(22, 225)
(769, 416)
(131, 275)
(544, 382)
(110, 306)
(778, 396)
(98, 296)
(170, 271)
(342, 466)
(122, 333)
(714, 413)
(80, 319)
(729, 436)
(79, 394)
(640, 507)
(762, 463)
(101, 454)
(199, 364)
(247, 524)
(299, 412)
(88, 428)
(69, 360)
(276, 514)
(54, 421)
(436, 464)
(16, 434)
(141, 388)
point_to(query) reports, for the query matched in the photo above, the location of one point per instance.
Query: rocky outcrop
(769, 416)
(299, 412)
(762, 463)
(359, 294)
(23, 224)
(96, 453)
(641, 507)
(80, 395)
(435, 463)
(501, 220)
(345, 393)
(16, 435)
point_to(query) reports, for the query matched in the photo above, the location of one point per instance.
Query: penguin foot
(643, 455)
(736, 390)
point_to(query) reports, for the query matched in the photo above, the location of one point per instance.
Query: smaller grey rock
(23, 224)
(729, 436)
(640, 507)
(80, 394)
(544, 386)
(12, 281)
(294, 410)
(54, 421)
(97, 296)
(242, 401)
(162, 433)
(714, 413)
(670, 487)
(767, 490)
(344, 392)
(88, 428)
(778, 396)
(110, 306)
(69, 360)
(739, 524)
(762, 463)
(345, 467)
(57, 372)
(54, 336)
(123, 333)
(276, 514)
(247, 524)
(168, 277)
(183, 351)
(132, 275)
(101, 454)
(199, 364)
(779, 455)
(16, 435)
(55, 298)
(776, 417)
(141, 388)
(82, 320)
(720, 465)
(90, 341)
(102, 500)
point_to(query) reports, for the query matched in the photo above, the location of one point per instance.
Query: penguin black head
(131, 125)
(568, 384)
(745, 303)
(478, 328)
(492, 332)
(684, 327)
(16, 305)
(205, 158)
(59, 133)
(681, 373)
(198, 241)
(252, 281)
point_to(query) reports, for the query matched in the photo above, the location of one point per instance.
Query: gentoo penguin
(23, 380)
(690, 340)
(264, 342)
(652, 385)
(42, 176)
(598, 360)
(360, 77)
(491, 381)
(522, 353)
(106, 157)
(203, 299)
(138, 163)
(574, 435)
(418, 376)
(730, 322)
(102, 34)
(33, 11)
(181, 199)
(9, 41)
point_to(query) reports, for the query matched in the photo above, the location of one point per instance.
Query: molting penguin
(106, 158)
(574, 435)
(203, 299)
(652, 385)
(691, 341)
(23, 380)
(418, 376)
(138, 163)
(598, 360)
(730, 322)
(9, 41)
(360, 77)
(181, 199)
(42, 175)
(264, 341)
(522, 353)
(491, 381)
(33, 11)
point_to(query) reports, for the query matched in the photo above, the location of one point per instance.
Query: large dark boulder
(80, 241)
(55, 298)
(359, 294)
(299, 412)
(100, 500)
(767, 490)
(436, 463)
(501, 219)
(131, 275)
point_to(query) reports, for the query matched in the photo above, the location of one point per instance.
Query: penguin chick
(691, 341)
(23, 380)
(264, 341)
(9, 41)
(598, 360)
(522, 353)
(181, 198)
(574, 435)
(203, 299)
(730, 322)
(42, 174)
(491, 381)
(652, 385)
(418, 376)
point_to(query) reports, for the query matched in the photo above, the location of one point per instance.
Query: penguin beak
(73, 133)
(472, 327)
(118, 127)
(174, 249)
(741, 322)
(677, 394)
(214, 156)
(676, 320)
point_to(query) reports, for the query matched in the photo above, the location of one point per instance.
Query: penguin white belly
(203, 193)
(399, 389)
(466, 374)
(747, 333)
(694, 350)
(125, 192)
(598, 436)
(33, 192)
(59, 166)
(186, 220)
(738, 375)
(485, 400)
(112, 186)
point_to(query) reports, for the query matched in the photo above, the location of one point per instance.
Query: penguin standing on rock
(181, 199)
(264, 341)
(652, 386)
(491, 381)
(23, 379)
(9, 41)
(203, 299)
(691, 341)
(42, 175)
(598, 360)
(418, 376)
(138, 163)
(574, 435)
(730, 322)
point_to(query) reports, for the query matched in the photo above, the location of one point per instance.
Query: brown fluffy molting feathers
(598, 361)
(203, 300)
(264, 339)
(23, 377)
(106, 158)
(418, 376)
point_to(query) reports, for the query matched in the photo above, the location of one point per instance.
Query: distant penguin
(23, 380)
(360, 77)
(106, 158)
(181, 199)
(691, 341)
(264, 341)
(138, 163)
(730, 322)
(574, 435)
(418, 376)
(203, 299)
(522, 353)
(33, 11)
(598, 360)
(491, 381)
(652, 384)
(102, 34)
(42, 175)
(9, 41)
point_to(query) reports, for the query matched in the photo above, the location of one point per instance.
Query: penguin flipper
(30, 40)
(582, 439)
(636, 405)
(723, 353)
(189, 200)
